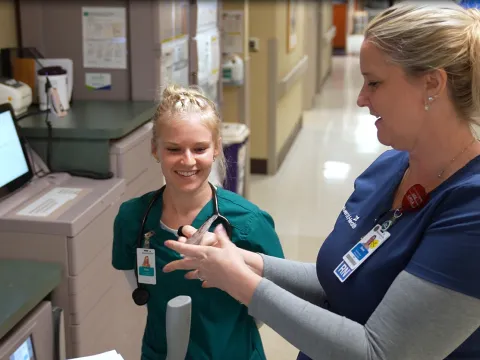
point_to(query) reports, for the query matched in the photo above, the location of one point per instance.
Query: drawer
(131, 155)
(89, 243)
(90, 286)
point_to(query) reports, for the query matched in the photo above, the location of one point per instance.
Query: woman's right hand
(253, 260)
(209, 239)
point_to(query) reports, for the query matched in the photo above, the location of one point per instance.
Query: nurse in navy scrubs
(411, 288)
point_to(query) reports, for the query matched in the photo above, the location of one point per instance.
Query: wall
(290, 106)
(8, 34)
(325, 48)
(274, 127)
(311, 25)
(262, 25)
(233, 99)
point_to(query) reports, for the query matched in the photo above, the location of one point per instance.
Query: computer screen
(15, 169)
(24, 351)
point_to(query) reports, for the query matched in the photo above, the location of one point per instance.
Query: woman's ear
(153, 149)
(435, 82)
(218, 147)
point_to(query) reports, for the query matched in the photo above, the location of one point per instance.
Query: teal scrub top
(221, 327)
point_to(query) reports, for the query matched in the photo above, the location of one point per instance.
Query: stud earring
(427, 106)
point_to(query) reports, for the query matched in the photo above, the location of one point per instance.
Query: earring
(214, 159)
(427, 106)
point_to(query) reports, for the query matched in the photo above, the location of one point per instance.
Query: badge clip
(147, 237)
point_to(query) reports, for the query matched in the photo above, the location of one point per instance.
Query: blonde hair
(421, 38)
(176, 100)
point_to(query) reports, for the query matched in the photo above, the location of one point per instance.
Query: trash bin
(234, 139)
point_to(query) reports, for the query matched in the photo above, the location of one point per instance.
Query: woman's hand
(253, 260)
(208, 239)
(220, 266)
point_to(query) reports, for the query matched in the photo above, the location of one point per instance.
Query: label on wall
(98, 81)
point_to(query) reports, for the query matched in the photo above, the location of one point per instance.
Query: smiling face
(186, 150)
(397, 100)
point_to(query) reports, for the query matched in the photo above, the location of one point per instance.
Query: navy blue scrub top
(439, 243)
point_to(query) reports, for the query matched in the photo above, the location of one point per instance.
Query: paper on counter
(50, 202)
(109, 355)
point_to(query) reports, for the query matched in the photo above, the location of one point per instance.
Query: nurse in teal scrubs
(186, 142)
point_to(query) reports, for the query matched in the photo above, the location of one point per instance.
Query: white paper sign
(98, 81)
(51, 201)
(204, 55)
(233, 26)
(181, 61)
(215, 57)
(174, 62)
(104, 37)
(206, 14)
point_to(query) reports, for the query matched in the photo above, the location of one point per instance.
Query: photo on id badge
(146, 266)
(373, 241)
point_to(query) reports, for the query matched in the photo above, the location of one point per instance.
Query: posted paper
(104, 37)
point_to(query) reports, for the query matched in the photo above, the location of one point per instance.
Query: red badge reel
(415, 198)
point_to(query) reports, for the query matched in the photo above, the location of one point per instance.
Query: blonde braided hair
(177, 100)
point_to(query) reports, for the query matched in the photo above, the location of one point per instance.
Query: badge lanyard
(415, 198)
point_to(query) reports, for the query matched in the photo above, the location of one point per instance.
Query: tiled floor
(337, 142)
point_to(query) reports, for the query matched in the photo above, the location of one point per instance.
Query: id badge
(361, 252)
(146, 266)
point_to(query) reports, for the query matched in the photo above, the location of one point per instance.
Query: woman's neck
(441, 153)
(179, 206)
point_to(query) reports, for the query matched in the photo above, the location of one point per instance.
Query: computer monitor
(15, 169)
(24, 351)
(34, 337)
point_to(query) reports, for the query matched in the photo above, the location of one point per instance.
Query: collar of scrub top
(216, 216)
(197, 236)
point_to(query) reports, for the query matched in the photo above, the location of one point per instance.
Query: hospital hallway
(337, 142)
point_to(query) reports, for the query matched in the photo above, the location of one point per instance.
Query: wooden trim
(258, 166)
(292, 77)
(289, 142)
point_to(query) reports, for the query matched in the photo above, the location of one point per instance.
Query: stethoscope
(141, 295)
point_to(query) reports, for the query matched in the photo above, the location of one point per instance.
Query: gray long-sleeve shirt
(415, 320)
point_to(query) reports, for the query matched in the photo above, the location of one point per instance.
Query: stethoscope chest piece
(140, 296)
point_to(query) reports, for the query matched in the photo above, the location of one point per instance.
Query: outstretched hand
(220, 266)
(209, 239)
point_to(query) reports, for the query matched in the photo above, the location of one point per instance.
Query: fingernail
(220, 229)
